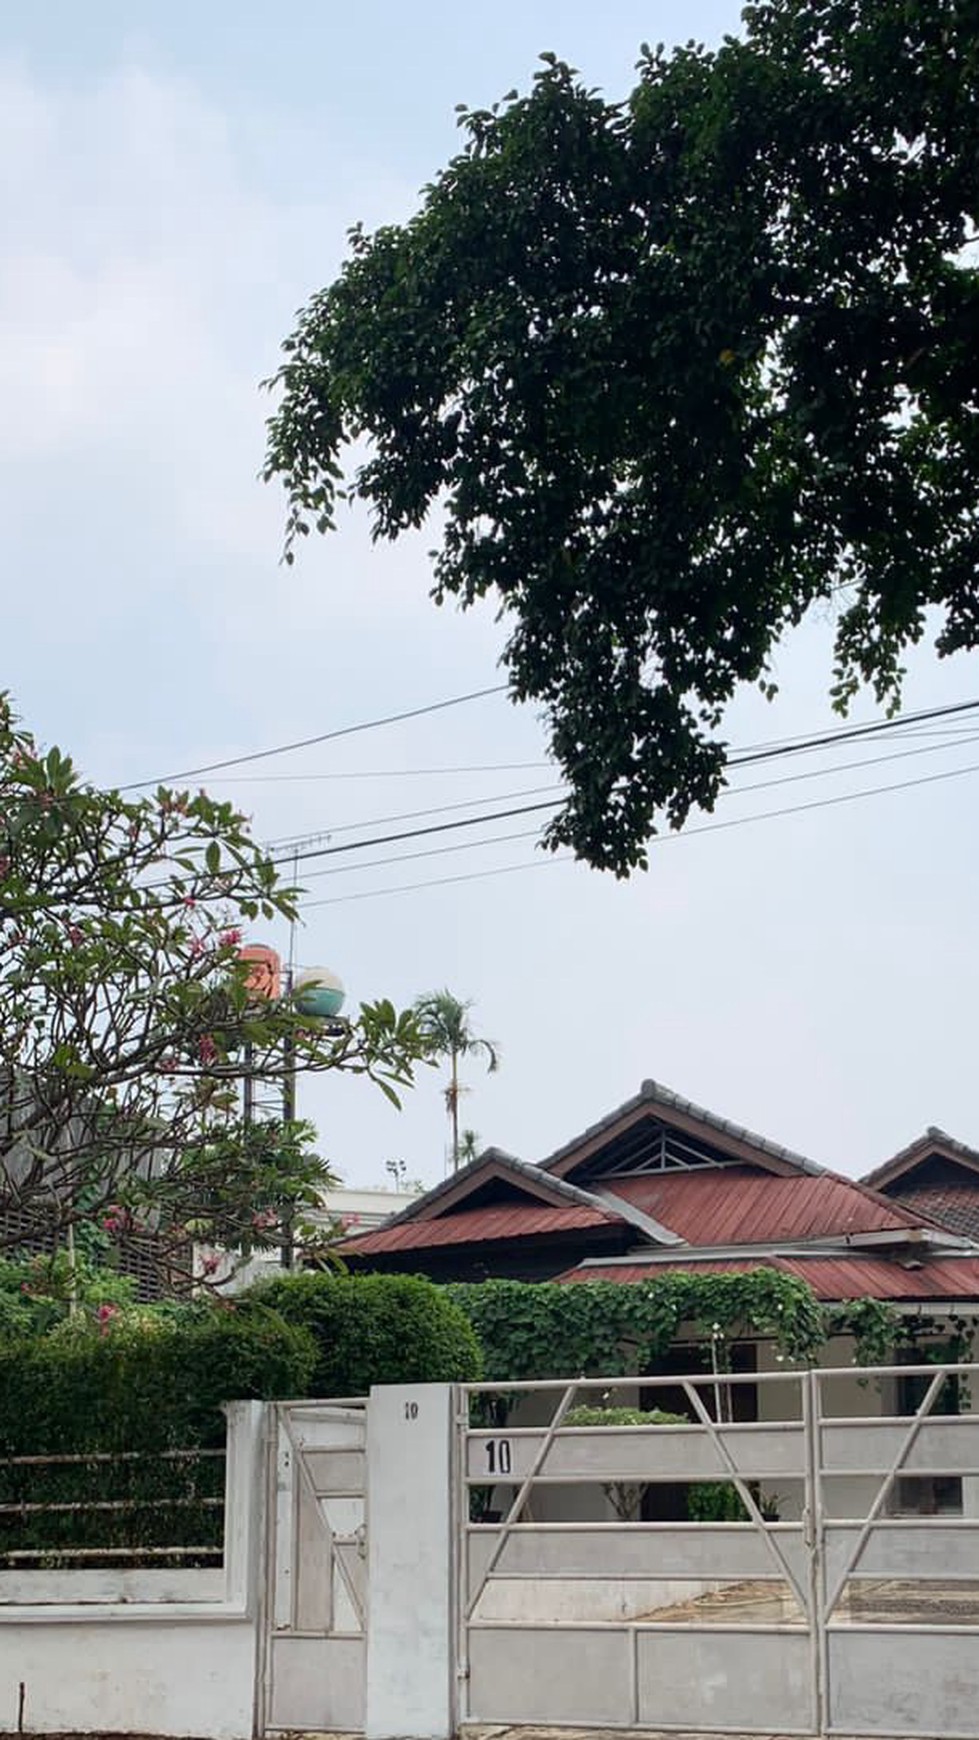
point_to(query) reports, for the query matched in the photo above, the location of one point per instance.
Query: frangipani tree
(126, 1013)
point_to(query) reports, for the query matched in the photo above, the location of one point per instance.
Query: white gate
(896, 1503)
(317, 1588)
(813, 1595)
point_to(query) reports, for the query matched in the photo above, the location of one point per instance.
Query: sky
(176, 181)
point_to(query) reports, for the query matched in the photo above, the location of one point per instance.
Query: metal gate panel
(898, 1592)
(754, 1681)
(856, 1614)
(316, 1636)
(889, 1683)
(582, 1675)
(622, 1623)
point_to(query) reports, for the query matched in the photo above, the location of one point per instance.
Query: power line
(661, 839)
(385, 773)
(296, 858)
(443, 881)
(743, 759)
(850, 766)
(753, 752)
(417, 833)
(730, 791)
(747, 758)
(413, 815)
(323, 737)
(849, 733)
(428, 852)
(494, 816)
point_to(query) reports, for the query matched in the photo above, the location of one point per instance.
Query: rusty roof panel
(482, 1225)
(830, 1277)
(728, 1205)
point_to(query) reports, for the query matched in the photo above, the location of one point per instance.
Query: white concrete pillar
(410, 1689)
(244, 1495)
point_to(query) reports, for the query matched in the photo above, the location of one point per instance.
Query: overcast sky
(177, 180)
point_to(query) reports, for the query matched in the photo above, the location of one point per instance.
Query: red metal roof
(830, 1277)
(730, 1205)
(482, 1226)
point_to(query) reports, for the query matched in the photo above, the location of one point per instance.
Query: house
(936, 1176)
(660, 1184)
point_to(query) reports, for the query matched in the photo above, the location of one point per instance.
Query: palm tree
(444, 1021)
(468, 1146)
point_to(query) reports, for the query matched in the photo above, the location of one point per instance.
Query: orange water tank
(265, 970)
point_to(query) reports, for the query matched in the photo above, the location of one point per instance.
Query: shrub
(376, 1329)
(136, 1386)
(35, 1291)
(144, 1381)
(623, 1417)
(715, 1501)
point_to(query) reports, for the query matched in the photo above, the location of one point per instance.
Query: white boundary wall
(197, 1665)
(146, 1664)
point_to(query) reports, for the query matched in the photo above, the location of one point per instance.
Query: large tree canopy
(674, 370)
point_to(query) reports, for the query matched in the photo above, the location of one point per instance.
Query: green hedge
(376, 1329)
(140, 1384)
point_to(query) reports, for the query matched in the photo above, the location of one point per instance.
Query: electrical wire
(752, 757)
(447, 827)
(747, 758)
(310, 742)
(840, 733)
(385, 773)
(847, 734)
(427, 852)
(417, 833)
(443, 881)
(661, 839)
(730, 791)
(414, 815)
(753, 752)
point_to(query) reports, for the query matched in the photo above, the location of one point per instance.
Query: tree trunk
(454, 1104)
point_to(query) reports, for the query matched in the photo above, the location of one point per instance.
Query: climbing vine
(876, 1328)
(611, 1328)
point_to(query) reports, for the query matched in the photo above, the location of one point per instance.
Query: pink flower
(229, 939)
(263, 1221)
(196, 948)
(75, 935)
(189, 900)
(210, 1265)
(104, 1316)
(207, 1051)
